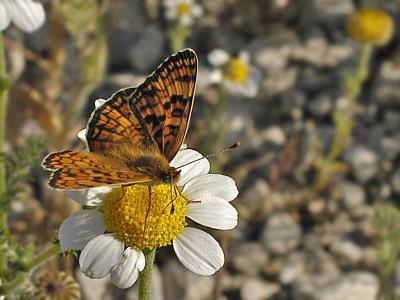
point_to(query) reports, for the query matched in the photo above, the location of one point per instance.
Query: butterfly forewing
(165, 101)
(157, 111)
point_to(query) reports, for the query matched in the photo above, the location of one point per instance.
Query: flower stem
(177, 36)
(4, 83)
(145, 275)
(8, 287)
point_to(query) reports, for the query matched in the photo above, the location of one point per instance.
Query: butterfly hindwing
(82, 178)
(77, 170)
(57, 160)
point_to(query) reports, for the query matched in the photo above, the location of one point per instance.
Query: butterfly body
(133, 136)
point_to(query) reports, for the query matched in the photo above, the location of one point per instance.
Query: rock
(390, 147)
(147, 52)
(280, 81)
(363, 161)
(392, 120)
(281, 233)
(395, 181)
(294, 269)
(93, 289)
(254, 198)
(353, 195)
(256, 289)
(347, 251)
(249, 258)
(329, 8)
(351, 286)
(274, 134)
(321, 105)
(180, 283)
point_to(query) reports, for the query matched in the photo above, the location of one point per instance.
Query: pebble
(363, 161)
(353, 195)
(346, 251)
(257, 289)
(147, 51)
(351, 286)
(281, 233)
(395, 181)
(249, 258)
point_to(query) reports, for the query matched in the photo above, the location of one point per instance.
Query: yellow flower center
(184, 9)
(237, 71)
(142, 223)
(371, 26)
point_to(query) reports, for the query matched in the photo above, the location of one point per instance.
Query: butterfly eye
(166, 178)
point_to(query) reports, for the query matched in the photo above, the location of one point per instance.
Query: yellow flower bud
(370, 26)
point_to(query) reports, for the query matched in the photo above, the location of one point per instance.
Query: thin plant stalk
(4, 84)
(146, 275)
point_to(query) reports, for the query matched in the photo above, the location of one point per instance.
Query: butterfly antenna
(235, 145)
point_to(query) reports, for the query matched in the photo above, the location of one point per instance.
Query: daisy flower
(27, 15)
(121, 223)
(182, 11)
(235, 72)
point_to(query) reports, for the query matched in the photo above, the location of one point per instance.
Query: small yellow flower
(371, 26)
(237, 70)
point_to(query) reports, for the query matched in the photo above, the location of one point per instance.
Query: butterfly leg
(148, 211)
(173, 188)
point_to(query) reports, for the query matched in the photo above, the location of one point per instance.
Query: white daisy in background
(121, 223)
(28, 15)
(182, 11)
(235, 72)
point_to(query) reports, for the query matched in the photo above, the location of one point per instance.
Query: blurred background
(313, 99)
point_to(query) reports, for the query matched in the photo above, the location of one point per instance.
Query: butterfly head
(172, 176)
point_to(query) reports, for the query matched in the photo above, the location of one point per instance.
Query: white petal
(213, 212)
(244, 56)
(81, 227)
(100, 255)
(124, 274)
(89, 197)
(215, 76)
(28, 15)
(216, 185)
(198, 251)
(4, 17)
(141, 261)
(197, 11)
(192, 170)
(82, 135)
(218, 57)
(99, 102)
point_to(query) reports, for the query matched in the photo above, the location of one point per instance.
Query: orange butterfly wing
(158, 111)
(78, 170)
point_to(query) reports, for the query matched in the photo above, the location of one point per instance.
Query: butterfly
(135, 134)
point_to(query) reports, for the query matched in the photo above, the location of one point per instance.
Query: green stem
(178, 35)
(145, 275)
(344, 120)
(4, 83)
(8, 287)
